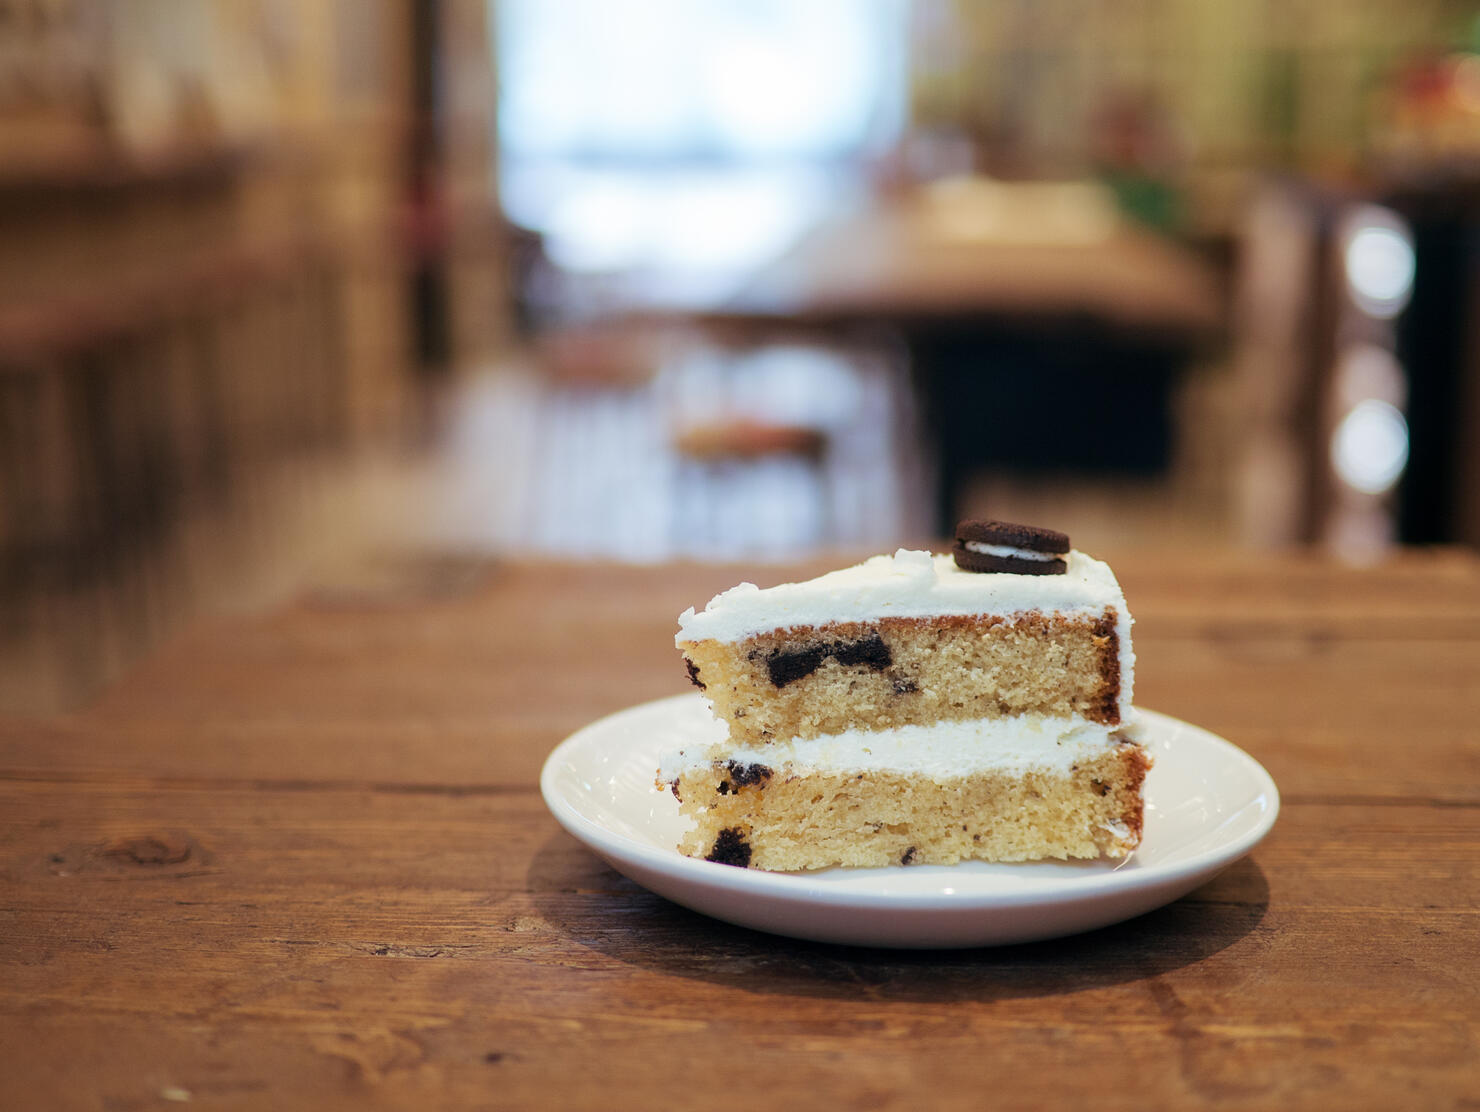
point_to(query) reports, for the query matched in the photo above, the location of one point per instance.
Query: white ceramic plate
(1207, 804)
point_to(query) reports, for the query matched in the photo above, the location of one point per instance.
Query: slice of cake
(917, 708)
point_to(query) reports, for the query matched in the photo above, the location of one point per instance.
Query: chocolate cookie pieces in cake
(909, 710)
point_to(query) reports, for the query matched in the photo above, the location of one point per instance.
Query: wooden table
(300, 860)
(923, 258)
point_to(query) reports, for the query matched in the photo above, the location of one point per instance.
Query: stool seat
(744, 438)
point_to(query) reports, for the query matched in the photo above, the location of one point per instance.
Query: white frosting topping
(906, 585)
(943, 750)
(913, 584)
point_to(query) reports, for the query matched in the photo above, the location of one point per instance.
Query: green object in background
(1281, 104)
(1471, 41)
(1151, 201)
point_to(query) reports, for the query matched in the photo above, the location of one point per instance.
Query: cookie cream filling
(941, 751)
(1007, 551)
(914, 584)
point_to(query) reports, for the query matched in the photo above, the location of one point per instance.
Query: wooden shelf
(48, 328)
(103, 170)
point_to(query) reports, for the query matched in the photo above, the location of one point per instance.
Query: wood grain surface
(300, 860)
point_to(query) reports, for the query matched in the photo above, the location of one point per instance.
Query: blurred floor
(766, 454)
(662, 469)
(775, 453)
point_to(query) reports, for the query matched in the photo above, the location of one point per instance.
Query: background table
(1034, 318)
(989, 250)
(301, 860)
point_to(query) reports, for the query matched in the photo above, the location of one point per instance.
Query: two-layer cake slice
(908, 710)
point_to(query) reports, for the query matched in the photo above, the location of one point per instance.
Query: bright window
(689, 134)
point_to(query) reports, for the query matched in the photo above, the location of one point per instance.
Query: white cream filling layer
(913, 584)
(943, 750)
(1006, 551)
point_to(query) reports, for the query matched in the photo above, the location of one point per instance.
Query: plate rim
(802, 888)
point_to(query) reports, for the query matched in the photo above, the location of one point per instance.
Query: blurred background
(359, 296)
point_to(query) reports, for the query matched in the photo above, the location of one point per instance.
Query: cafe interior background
(353, 298)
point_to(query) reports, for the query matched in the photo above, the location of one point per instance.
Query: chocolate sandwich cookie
(1005, 546)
